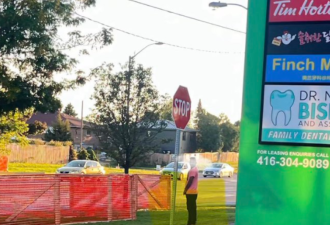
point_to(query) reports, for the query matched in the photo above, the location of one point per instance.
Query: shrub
(72, 154)
(37, 142)
(67, 143)
(58, 143)
(83, 154)
(52, 143)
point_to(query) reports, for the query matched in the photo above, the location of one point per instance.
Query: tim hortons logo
(296, 8)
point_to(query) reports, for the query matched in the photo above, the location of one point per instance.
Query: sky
(215, 78)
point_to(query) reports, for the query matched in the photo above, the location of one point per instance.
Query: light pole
(128, 79)
(223, 4)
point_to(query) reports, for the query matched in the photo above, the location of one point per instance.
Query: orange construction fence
(3, 163)
(61, 199)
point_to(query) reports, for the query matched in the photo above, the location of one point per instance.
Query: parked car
(81, 167)
(103, 156)
(183, 169)
(218, 170)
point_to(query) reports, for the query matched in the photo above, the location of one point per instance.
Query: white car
(82, 167)
(219, 170)
(183, 169)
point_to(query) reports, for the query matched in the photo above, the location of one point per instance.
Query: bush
(92, 155)
(37, 142)
(72, 154)
(83, 154)
(67, 143)
(55, 143)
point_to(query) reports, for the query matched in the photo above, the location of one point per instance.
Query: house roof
(171, 126)
(50, 118)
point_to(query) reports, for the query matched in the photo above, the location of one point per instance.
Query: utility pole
(82, 125)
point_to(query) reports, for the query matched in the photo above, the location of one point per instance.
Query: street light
(223, 4)
(131, 58)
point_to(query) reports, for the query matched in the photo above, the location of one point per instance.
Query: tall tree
(69, 109)
(208, 136)
(127, 106)
(31, 51)
(223, 118)
(59, 131)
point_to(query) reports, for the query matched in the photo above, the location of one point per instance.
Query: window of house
(183, 136)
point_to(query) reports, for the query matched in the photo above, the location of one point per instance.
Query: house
(89, 139)
(188, 139)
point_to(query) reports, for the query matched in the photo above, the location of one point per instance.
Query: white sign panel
(296, 114)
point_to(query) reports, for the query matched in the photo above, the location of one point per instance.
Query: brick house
(89, 139)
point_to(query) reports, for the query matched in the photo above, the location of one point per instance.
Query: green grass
(51, 168)
(210, 205)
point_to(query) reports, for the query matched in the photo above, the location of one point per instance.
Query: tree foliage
(208, 136)
(59, 131)
(127, 107)
(83, 154)
(166, 108)
(31, 51)
(37, 127)
(230, 134)
(69, 110)
(13, 126)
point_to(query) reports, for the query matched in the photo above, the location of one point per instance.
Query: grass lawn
(51, 168)
(210, 202)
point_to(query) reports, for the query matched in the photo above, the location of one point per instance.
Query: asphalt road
(230, 185)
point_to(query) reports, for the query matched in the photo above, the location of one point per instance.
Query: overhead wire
(188, 17)
(152, 40)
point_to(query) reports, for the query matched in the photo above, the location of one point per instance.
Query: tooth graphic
(281, 102)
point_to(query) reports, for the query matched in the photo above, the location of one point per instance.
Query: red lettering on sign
(299, 10)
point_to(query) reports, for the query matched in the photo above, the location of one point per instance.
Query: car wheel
(204, 175)
(82, 173)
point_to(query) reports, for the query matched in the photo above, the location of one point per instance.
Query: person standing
(191, 192)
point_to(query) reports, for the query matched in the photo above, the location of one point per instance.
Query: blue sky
(214, 78)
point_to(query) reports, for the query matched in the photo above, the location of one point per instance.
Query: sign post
(181, 116)
(284, 172)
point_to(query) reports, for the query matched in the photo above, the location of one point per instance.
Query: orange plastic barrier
(3, 163)
(154, 192)
(60, 199)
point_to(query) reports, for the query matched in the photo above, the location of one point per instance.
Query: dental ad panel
(299, 10)
(298, 68)
(297, 39)
(296, 114)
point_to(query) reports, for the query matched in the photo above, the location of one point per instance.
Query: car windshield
(76, 164)
(216, 165)
(171, 165)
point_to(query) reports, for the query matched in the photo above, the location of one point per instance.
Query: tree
(60, 131)
(128, 108)
(208, 136)
(223, 118)
(83, 154)
(13, 126)
(70, 110)
(37, 127)
(31, 51)
(229, 137)
(166, 108)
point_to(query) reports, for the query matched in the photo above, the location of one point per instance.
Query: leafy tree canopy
(127, 113)
(31, 51)
(37, 127)
(13, 126)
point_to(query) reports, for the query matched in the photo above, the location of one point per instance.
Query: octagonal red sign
(181, 107)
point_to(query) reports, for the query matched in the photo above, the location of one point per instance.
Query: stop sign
(181, 107)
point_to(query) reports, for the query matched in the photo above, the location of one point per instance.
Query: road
(230, 185)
